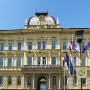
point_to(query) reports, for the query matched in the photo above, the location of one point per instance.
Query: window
(83, 80)
(9, 61)
(42, 45)
(19, 45)
(54, 80)
(64, 45)
(53, 61)
(1, 61)
(29, 45)
(29, 61)
(65, 80)
(53, 44)
(74, 80)
(2, 46)
(19, 61)
(19, 80)
(1, 80)
(74, 61)
(39, 59)
(9, 80)
(83, 61)
(39, 45)
(10, 46)
(29, 81)
(44, 60)
(82, 45)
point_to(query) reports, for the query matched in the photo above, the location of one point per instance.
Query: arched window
(54, 80)
(1, 80)
(65, 80)
(19, 80)
(53, 61)
(29, 81)
(29, 61)
(10, 61)
(19, 61)
(9, 80)
(74, 80)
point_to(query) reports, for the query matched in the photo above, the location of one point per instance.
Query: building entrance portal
(41, 84)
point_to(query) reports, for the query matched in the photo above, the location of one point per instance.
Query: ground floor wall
(35, 78)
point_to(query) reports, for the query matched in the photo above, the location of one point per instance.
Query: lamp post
(79, 36)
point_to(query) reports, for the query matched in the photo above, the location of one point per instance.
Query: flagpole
(64, 75)
(73, 58)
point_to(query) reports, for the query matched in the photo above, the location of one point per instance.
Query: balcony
(40, 66)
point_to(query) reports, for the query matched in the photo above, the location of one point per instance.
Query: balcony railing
(41, 66)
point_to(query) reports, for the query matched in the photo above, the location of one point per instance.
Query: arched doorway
(41, 84)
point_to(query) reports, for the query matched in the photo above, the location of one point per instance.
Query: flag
(69, 65)
(74, 45)
(86, 47)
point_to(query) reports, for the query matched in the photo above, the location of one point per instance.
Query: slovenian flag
(68, 64)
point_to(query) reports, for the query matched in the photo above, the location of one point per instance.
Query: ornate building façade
(32, 58)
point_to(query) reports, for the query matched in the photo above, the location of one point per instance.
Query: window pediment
(53, 38)
(41, 38)
(2, 39)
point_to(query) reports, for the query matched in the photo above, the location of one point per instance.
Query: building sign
(81, 72)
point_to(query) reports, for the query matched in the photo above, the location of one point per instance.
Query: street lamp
(79, 36)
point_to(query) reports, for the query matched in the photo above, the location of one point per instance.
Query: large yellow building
(32, 58)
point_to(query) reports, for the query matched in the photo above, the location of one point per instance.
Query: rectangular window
(44, 45)
(29, 45)
(53, 44)
(19, 45)
(10, 46)
(84, 81)
(9, 61)
(82, 45)
(64, 45)
(39, 60)
(1, 61)
(44, 60)
(2, 46)
(39, 45)
(74, 61)
(83, 61)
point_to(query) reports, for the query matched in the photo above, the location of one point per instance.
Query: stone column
(41, 60)
(49, 83)
(6, 45)
(15, 44)
(23, 80)
(33, 87)
(25, 44)
(59, 82)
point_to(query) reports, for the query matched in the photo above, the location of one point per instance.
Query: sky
(71, 13)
